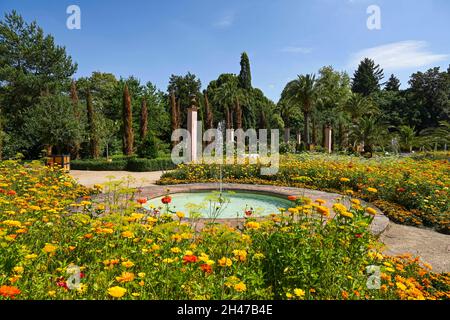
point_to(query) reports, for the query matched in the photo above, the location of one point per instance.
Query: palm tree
(303, 92)
(437, 136)
(230, 97)
(369, 133)
(358, 105)
(408, 138)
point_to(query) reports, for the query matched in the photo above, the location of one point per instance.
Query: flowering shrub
(414, 192)
(56, 242)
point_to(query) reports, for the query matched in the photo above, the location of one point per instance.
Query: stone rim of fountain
(377, 227)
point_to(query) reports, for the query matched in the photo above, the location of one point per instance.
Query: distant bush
(98, 165)
(122, 164)
(140, 165)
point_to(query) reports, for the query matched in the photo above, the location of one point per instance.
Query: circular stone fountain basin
(236, 204)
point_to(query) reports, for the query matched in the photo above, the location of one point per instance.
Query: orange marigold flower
(9, 292)
(292, 198)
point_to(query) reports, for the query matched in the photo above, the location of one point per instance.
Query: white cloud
(303, 50)
(225, 21)
(399, 55)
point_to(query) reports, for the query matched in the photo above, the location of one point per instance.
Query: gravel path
(431, 246)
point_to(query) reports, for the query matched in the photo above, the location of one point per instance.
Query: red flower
(292, 198)
(9, 292)
(61, 282)
(166, 200)
(189, 259)
(248, 213)
(141, 200)
(358, 235)
(401, 189)
(206, 268)
(11, 193)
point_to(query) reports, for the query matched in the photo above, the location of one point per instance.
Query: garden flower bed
(408, 191)
(58, 243)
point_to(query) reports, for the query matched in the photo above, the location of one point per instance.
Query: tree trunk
(287, 134)
(173, 114)
(228, 118)
(143, 124)
(209, 115)
(93, 139)
(127, 123)
(238, 115)
(306, 129)
(314, 132)
(75, 152)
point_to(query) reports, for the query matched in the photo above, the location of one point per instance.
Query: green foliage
(149, 147)
(98, 165)
(125, 164)
(142, 165)
(366, 79)
(245, 76)
(52, 122)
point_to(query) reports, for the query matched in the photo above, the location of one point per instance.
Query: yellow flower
(299, 293)
(241, 255)
(371, 211)
(125, 277)
(141, 274)
(253, 225)
(117, 292)
(225, 262)
(240, 287)
(49, 248)
(175, 250)
(344, 179)
(401, 286)
(320, 201)
(356, 201)
(180, 214)
(127, 264)
(323, 211)
(339, 207)
(12, 223)
(127, 234)
(52, 293)
(346, 214)
(289, 295)
(31, 256)
(372, 190)
(18, 269)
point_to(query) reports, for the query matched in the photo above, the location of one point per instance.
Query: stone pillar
(192, 128)
(299, 137)
(287, 134)
(328, 137)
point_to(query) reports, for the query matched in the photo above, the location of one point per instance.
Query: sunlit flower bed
(414, 192)
(56, 242)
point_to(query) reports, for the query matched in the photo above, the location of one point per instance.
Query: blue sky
(154, 39)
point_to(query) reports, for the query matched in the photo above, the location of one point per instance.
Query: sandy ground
(89, 178)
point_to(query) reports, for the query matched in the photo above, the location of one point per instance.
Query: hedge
(131, 164)
(139, 165)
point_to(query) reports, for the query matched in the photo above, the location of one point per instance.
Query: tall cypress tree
(76, 111)
(128, 136)
(366, 79)
(245, 76)
(93, 138)
(143, 124)
(209, 115)
(393, 84)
